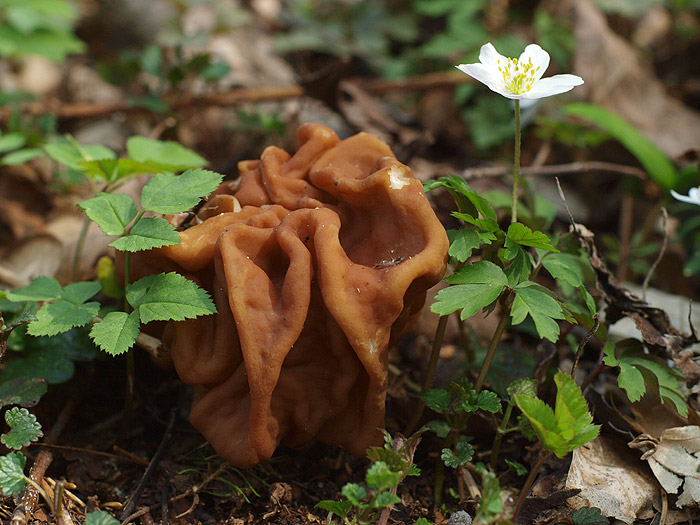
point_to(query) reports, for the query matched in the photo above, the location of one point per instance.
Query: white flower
(519, 78)
(693, 196)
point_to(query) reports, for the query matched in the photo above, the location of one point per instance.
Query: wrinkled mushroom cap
(315, 261)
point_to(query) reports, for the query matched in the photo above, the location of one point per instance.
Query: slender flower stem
(491, 352)
(516, 163)
(528, 484)
(500, 432)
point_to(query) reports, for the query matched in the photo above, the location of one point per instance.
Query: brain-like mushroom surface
(316, 261)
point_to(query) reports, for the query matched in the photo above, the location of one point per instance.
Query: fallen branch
(556, 169)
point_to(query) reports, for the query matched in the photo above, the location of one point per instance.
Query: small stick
(662, 251)
(31, 493)
(583, 344)
(557, 169)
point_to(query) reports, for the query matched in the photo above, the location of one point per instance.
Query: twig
(133, 499)
(528, 484)
(662, 251)
(132, 458)
(31, 493)
(62, 515)
(556, 169)
(584, 342)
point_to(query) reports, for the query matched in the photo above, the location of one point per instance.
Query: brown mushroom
(316, 262)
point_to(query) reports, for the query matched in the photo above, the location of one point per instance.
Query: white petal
(482, 73)
(490, 57)
(693, 196)
(549, 86)
(539, 57)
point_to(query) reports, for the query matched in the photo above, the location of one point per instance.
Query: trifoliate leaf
(341, 508)
(462, 454)
(107, 277)
(354, 493)
(476, 286)
(488, 401)
(462, 243)
(72, 153)
(111, 211)
(100, 517)
(78, 293)
(24, 428)
(61, 316)
(531, 299)
(385, 499)
(12, 473)
(589, 516)
(436, 399)
(167, 155)
(519, 234)
(23, 391)
(564, 267)
(167, 193)
(117, 332)
(42, 288)
(380, 477)
(149, 232)
(168, 296)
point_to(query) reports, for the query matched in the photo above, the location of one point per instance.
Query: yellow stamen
(518, 77)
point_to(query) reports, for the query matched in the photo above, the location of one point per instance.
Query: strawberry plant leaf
(488, 401)
(167, 193)
(78, 293)
(117, 332)
(111, 170)
(71, 153)
(12, 478)
(532, 299)
(24, 428)
(380, 477)
(10, 141)
(341, 508)
(61, 316)
(384, 499)
(354, 493)
(149, 232)
(589, 516)
(437, 399)
(42, 288)
(167, 155)
(111, 211)
(23, 391)
(462, 454)
(543, 422)
(570, 409)
(168, 296)
(21, 156)
(476, 286)
(100, 517)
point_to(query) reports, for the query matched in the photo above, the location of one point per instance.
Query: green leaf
(531, 299)
(11, 141)
(167, 155)
(468, 201)
(42, 288)
(589, 516)
(652, 159)
(543, 422)
(24, 428)
(525, 386)
(147, 233)
(23, 391)
(422, 521)
(478, 285)
(111, 211)
(100, 517)
(436, 399)
(385, 499)
(12, 478)
(354, 493)
(570, 409)
(520, 267)
(167, 193)
(631, 381)
(71, 153)
(462, 454)
(168, 296)
(380, 477)
(341, 508)
(21, 156)
(491, 503)
(519, 468)
(519, 234)
(78, 293)
(564, 267)
(117, 332)
(462, 243)
(440, 427)
(107, 277)
(61, 316)
(112, 170)
(488, 401)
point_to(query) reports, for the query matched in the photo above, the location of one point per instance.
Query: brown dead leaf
(619, 80)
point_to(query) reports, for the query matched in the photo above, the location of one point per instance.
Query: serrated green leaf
(520, 267)
(570, 409)
(477, 286)
(543, 422)
(167, 155)
(589, 516)
(532, 300)
(24, 428)
(111, 211)
(440, 427)
(12, 473)
(564, 267)
(23, 391)
(462, 243)
(488, 401)
(631, 381)
(354, 493)
(21, 156)
(436, 399)
(78, 293)
(100, 517)
(385, 499)
(519, 234)
(72, 154)
(149, 232)
(468, 200)
(341, 508)
(462, 454)
(167, 193)
(117, 332)
(589, 300)
(168, 296)
(42, 288)
(112, 170)
(61, 316)
(11, 141)
(519, 469)
(525, 386)
(380, 477)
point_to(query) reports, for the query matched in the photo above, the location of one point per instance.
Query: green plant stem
(500, 432)
(516, 164)
(429, 374)
(528, 483)
(491, 352)
(79, 249)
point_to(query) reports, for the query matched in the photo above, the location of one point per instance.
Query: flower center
(518, 77)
